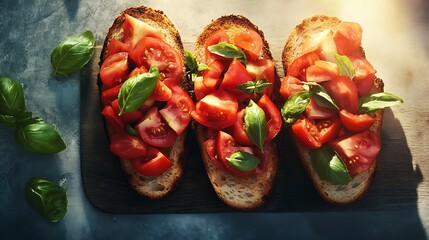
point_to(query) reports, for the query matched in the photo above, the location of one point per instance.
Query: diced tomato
(110, 94)
(126, 146)
(322, 71)
(306, 132)
(135, 30)
(114, 69)
(212, 77)
(262, 69)
(321, 43)
(147, 105)
(235, 76)
(139, 70)
(364, 74)
(116, 46)
(348, 37)
(239, 132)
(344, 93)
(126, 117)
(217, 110)
(298, 66)
(200, 90)
(358, 151)
(314, 111)
(290, 86)
(250, 42)
(210, 148)
(161, 92)
(154, 164)
(215, 38)
(154, 131)
(155, 52)
(356, 123)
(328, 129)
(113, 123)
(272, 116)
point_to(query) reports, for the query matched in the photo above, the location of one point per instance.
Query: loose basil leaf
(136, 90)
(228, 50)
(255, 124)
(243, 161)
(329, 166)
(13, 120)
(36, 136)
(295, 106)
(47, 198)
(253, 87)
(74, 53)
(378, 101)
(345, 66)
(130, 130)
(320, 95)
(12, 100)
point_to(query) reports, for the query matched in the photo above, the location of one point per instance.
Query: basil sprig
(47, 198)
(253, 86)
(243, 161)
(137, 89)
(74, 53)
(378, 101)
(345, 66)
(295, 106)
(228, 50)
(255, 124)
(329, 166)
(193, 67)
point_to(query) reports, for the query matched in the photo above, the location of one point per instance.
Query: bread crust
(238, 192)
(354, 190)
(160, 186)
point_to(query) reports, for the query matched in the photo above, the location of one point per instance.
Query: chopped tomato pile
(224, 92)
(140, 135)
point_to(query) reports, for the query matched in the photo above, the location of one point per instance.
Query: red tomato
(290, 86)
(358, 151)
(210, 148)
(155, 52)
(328, 129)
(239, 132)
(139, 70)
(321, 43)
(298, 66)
(272, 116)
(356, 123)
(321, 71)
(177, 111)
(154, 131)
(161, 92)
(147, 105)
(364, 74)
(348, 37)
(262, 69)
(135, 30)
(314, 111)
(154, 164)
(126, 117)
(306, 132)
(215, 38)
(344, 93)
(250, 42)
(113, 123)
(217, 110)
(212, 77)
(114, 69)
(235, 76)
(107, 96)
(200, 90)
(116, 46)
(126, 146)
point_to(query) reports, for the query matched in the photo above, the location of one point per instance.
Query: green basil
(243, 161)
(329, 166)
(345, 66)
(47, 198)
(137, 89)
(13, 120)
(320, 95)
(192, 67)
(36, 136)
(255, 124)
(228, 50)
(74, 53)
(12, 100)
(378, 101)
(295, 106)
(253, 86)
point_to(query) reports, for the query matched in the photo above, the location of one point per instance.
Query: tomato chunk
(306, 132)
(348, 37)
(322, 43)
(344, 92)
(364, 74)
(212, 78)
(298, 66)
(250, 42)
(262, 69)
(314, 111)
(114, 69)
(289, 86)
(328, 129)
(108, 95)
(135, 30)
(272, 116)
(126, 146)
(215, 38)
(235, 76)
(322, 71)
(113, 123)
(126, 117)
(356, 123)
(116, 46)
(154, 164)
(239, 132)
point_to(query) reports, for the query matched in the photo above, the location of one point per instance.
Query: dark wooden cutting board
(105, 185)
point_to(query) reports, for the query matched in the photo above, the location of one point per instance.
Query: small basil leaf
(13, 120)
(47, 198)
(137, 89)
(345, 66)
(131, 131)
(243, 161)
(295, 106)
(321, 96)
(12, 100)
(36, 136)
(253, 87)
(203, 67)
(378, 101)
(255, 124)
(329, 166)
(74, 53)
(191, 63)
(228, 50)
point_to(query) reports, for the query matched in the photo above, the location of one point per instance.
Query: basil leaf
(12, 100)
(329, 166)
(203, 67)
(320, 95)
(253, 87)
(47, 198)
(255, 124)
(345, 66)
(130, 130)
(378, 101)
(295, 106)
(74, 53)
(243, 161)
(191, 63)
(137, 89)
(12, 120)
(228, 50)
(36, 136)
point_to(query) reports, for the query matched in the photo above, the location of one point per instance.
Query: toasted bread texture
(355, 189)
(160, 186)
(238, 192)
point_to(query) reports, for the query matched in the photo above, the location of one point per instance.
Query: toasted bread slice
(153, 187)
(238, 192)
(355, 189)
